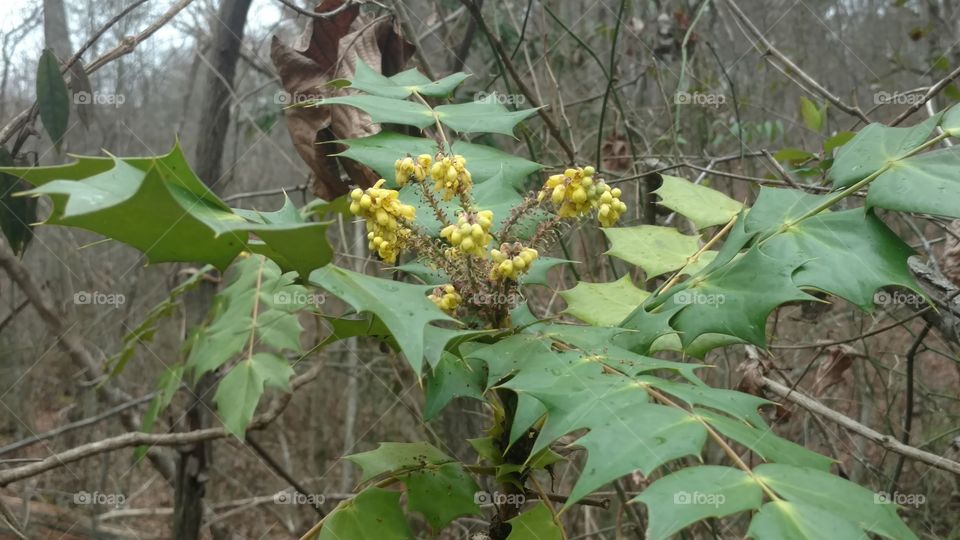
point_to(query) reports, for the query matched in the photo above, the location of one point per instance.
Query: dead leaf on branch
(328, 50)
(839, 362)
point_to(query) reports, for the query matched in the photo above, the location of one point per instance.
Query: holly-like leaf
(787, 520)
(826, 242)
(926, 184)
(700, 204)
(441, 494)
(874, 146)
(393, 458)
(452, 378)
(536, 523)
(384, 110)
(403, 308)
(53, 98)
(604, 304)
(374, 513)
(696, 493)
(380, 151)
(770, 448)
(403, 84)
(481, 117)
(240, 390)
(834, 494)
(656, 249)
(735, 299)
(160, 207)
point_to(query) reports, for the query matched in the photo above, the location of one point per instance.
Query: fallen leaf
(328, 50)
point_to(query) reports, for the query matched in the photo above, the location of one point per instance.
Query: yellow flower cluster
(575, 194)
(409, 168)
(446, 298)
(386, 219)
(450, 176)
(471, 233)
(511, 260)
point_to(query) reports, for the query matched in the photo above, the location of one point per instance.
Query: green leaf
(734, 299)
(240, 390)
(770, 448)
(403, 308)
(441, 494)
(380, 151)
(535, 524)
(537, 274)
(53, 98)
(393, 458)
(826, 243)
(926, 184)
(810, 114)
(16, 213)
(874, 146)
(160, 207)
(701, 205)
(793, 155)
(604, 304)
(403, 84)
(836, 495)
(452, 378)
(836, 141)
(951, 121)
(696, 493)
(480, 117)
(656, 249)
(374, 513)
(384, 110)
(783, 520)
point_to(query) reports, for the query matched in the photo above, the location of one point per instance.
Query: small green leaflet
(391, 458)
(240, 390)
(160, 207)
(535, 524)
(786, 520)
(403, 84)
(53, 99)
(604, 304)
(925, 183)
(656, 249)
(374, 513)
(875, 145)
(701, 205)
(696, 493)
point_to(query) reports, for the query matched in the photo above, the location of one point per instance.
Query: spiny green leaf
(535, 524)
(656, 249)
(836, 495)
(786, 520)
(696, 493)
(384, 110)
(479, 117)
(701, 205)
(441, 494)
(765, 443)
(403, 308)
(403, 84)
(453, 378)
(604, 304)
(53, 98)
(240, 390)
(391, 458)
(374, 513)
(926, 184)
(874, 146)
